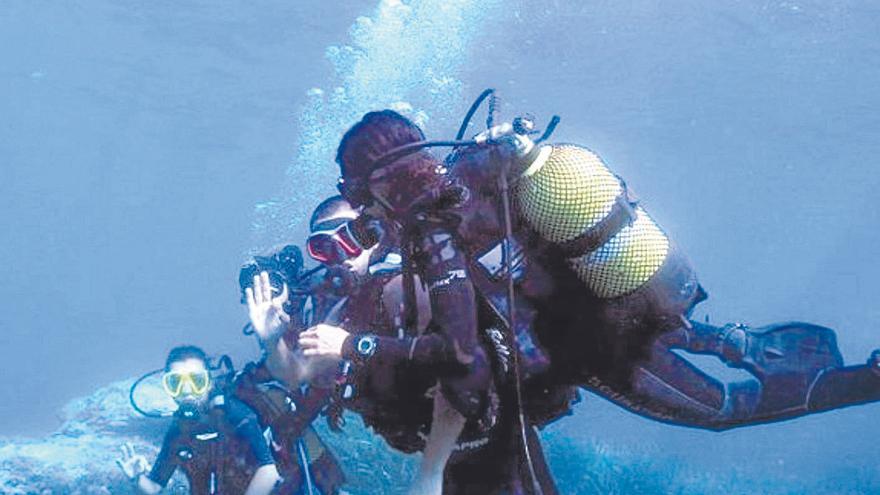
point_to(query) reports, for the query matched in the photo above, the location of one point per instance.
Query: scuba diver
(482, 449)
(350, 291)
(547, 233)
(366, 291)
(286, 408)
(215, 438)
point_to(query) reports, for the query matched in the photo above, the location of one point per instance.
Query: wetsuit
(450, 350)
(288, 415)
(391, 397)
(219, 451)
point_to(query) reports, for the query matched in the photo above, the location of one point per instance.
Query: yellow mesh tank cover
(626, 261)
(565, 192)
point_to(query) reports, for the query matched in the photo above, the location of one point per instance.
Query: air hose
(511, 323)
(133, 403)
(471, 111)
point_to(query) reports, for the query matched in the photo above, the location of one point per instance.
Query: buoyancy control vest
(211, 455)
(302, 456)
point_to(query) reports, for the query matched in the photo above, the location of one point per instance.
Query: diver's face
(190, 380)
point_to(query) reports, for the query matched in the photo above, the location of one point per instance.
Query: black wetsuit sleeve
(432, 352)
(451, 351)
(166, 461)
(247, 426)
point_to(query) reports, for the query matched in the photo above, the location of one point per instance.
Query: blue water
(146, 148)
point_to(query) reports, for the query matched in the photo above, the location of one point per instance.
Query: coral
(79, 458)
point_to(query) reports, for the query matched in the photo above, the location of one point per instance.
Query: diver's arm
(247, 427)
(463, 369)
(148, 486)
(281, 362)
(451, 352)
(446, 427)
(270, 321)
(135, 466)
(433, 351)
(150, 480)
(264, 480)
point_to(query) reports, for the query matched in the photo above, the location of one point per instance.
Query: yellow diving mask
(174, 381)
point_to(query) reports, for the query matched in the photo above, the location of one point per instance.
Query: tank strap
(621, 215)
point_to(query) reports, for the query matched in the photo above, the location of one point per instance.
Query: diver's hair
(375, 134)
(332, 208)
(184, 352)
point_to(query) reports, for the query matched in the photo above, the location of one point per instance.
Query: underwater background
(148, 148)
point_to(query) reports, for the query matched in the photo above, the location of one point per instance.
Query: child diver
(214, 438)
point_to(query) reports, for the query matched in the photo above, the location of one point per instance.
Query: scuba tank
(561, 206)
(569, 197)
(576, 208)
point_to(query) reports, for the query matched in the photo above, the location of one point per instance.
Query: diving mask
(333, 246)
(174, 382)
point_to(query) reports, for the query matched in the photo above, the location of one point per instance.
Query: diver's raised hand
(266, 312)
(132, 464)
(323, 340)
